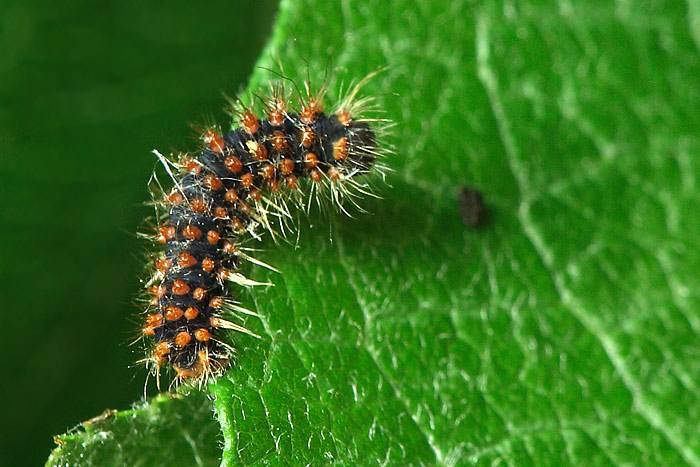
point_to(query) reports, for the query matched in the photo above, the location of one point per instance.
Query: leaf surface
(565, 332)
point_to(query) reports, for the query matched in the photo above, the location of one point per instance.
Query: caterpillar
(234, 184)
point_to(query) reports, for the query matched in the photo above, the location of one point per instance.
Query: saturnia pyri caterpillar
(237, 182)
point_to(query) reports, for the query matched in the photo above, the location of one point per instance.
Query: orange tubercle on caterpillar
(174, 198)
(208, 265)
(291, 182)
(213, 237)
(199, 293)
(182, 339)
(162, 264)
(259, 151)
(220, 212)
(233, 164)
(344, 117)
(286, 166)
(250, 122)
(202, 335)
(279, 141)
(306, 137)
(180, 287)
(191, 232)
(213, 182)
(308, 112)
(190, 165)
(185, 260)
(165, 233)
(277, 111)
(198, 205)
(173, 313)
(247, 181)
(191, 313)
(311, 160)
(214, 140)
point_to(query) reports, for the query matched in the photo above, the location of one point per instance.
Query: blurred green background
(87, 89)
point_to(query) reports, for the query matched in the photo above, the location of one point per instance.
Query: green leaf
(169, 430)
(565, 332)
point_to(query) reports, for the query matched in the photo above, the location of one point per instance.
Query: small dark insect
(472, 209)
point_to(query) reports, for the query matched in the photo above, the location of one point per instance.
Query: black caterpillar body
(223, 193)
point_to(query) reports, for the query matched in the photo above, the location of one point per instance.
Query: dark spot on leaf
(472, 209)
